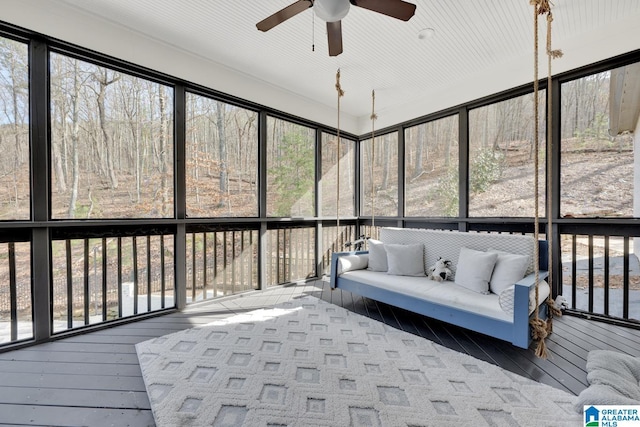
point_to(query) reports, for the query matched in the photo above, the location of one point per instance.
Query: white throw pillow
(474, 268)
(509, 269)
(377, 256)
(405, 260)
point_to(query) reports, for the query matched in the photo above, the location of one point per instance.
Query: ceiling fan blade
(395, 8)
(284, 14)
(334, 33)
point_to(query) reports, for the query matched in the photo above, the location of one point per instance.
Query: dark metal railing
(221, 263)
(16, 321)
(96, 280)
(105, 277)
(601, 275)
(290, 254)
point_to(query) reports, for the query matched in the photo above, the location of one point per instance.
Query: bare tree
(13, 62)
(164, 148)
(75, 127)
(103, 80)
(222, 148)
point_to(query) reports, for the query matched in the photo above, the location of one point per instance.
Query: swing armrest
(524, 294)
(341, 262)
(530, 280)
(519, 299)
(522, 307)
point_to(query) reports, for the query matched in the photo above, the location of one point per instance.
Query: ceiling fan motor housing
(331, 10)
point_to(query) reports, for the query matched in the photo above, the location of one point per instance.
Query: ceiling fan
(332, 11)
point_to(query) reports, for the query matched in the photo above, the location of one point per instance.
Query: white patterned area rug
(310, 363)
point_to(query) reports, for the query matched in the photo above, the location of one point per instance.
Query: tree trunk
(17, 122)
(56, 158)
(75, 123)
(104, 82)
(163, 151)
(385, 162)
(419, 151)
(222, 150)
(222, 146)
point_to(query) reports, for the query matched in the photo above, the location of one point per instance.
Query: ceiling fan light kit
(332, 12)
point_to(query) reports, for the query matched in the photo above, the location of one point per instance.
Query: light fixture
(331, 10)
(426, 33)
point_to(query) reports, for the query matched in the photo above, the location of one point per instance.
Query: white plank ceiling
(479, 48)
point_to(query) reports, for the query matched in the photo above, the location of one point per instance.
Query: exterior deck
(95, 379)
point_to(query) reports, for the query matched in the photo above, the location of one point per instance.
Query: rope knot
(539, 331)
(338, 87)
(553, 308)
(542, 6)
(556, 53)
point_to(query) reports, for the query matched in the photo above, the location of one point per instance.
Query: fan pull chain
(313, 32)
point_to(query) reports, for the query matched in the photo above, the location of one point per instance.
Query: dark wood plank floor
(95, 380)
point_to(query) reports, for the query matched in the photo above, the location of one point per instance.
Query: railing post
(262, 257)
(319, 250)
(39, 132)
(180, 213)
(556, 260)
(41, 290)
(181, 267)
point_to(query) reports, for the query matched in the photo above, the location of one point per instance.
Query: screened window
(15, 193)
(222, 159)
(291, 169)
(337, 188)
(379, 160)
(501, 158)
(597, 160)
(111, 143)
(431, 172)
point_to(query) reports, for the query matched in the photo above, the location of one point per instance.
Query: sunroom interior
(167, 165)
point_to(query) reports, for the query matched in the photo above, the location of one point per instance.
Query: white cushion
(474, 269)
(405, 260)
(509, 269)
(415, 287)
(352, 262)
(444, 293)
(377, 256)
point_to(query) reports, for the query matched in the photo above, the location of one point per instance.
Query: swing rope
(538, 325)
(551, 54)
(549, 154)
(373, 117)
(340, 95)
(542, 328)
